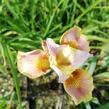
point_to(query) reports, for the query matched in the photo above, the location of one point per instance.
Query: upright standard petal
(79, 86)
(33, 64)
(75, 39)
(64, 59)
(61, 57)
(80, 58)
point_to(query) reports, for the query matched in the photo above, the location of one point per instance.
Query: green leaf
(92, 66)
(106, 106)
(102, 76)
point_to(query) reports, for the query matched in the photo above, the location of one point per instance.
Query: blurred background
(24, 23)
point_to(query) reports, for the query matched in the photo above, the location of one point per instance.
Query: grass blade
(9, 57)
(106, 106)
(77, 20)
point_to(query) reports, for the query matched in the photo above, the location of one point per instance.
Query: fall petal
(32, 64)
(79, 86)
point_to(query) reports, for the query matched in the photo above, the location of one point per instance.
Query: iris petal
(80, 58)
(33, 64)
(75, 39)
(83, 43)
(79, 86)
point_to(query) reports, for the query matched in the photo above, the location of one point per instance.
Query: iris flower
(65, 59)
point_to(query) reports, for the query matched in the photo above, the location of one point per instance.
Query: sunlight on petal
(33, 64)
(79, 86)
